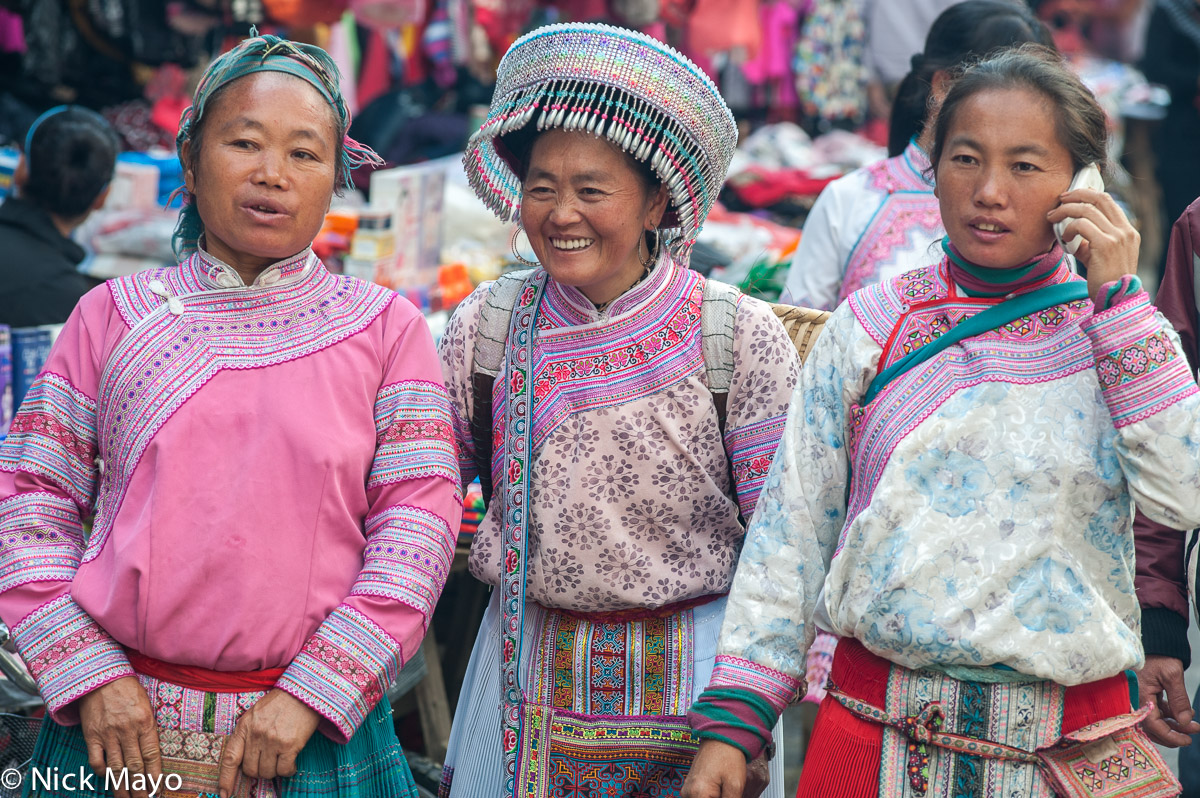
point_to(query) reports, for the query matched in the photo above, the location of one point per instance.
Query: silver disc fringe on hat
(637, 92)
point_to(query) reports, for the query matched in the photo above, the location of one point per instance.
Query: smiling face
(1001, 171)
(264, 173)
(586, 210)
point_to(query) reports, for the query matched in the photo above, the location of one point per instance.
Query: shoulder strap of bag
(718, 316)
(490, 339)
(982, 322)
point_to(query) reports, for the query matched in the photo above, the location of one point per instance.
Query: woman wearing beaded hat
(626, 437)
(267, 453)
(954, 493)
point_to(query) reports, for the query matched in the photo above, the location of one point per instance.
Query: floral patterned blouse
(632, 501)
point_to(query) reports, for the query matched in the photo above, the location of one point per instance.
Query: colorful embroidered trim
(41, 539)
(614, 668)
(67, 652)
(407, 558)
(344, 669)
(517, 456)
(1140, 371)
(775, 686)
(54, 435)
(751, 449)
(414, 435)
(648, 757)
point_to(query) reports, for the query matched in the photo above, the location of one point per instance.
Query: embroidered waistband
(198, 678)
(638, 613)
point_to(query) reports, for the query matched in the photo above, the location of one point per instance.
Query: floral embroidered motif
(407, 557)
(344, 669)
(751, 449)
(1138, 368)
(415, 434)
(67, 652)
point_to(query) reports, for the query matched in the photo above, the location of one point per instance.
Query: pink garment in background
(773, 63)
(12, 32)
(718, 26)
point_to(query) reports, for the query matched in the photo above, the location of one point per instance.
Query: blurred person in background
(1173, 59)
(64, 175)
(882, 220)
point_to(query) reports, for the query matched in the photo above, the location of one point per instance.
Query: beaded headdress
(637, 92)
(267, 53)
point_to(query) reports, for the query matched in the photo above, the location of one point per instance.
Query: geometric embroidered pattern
(572, 756)
(1139, 370)
(343, 669)
(54, 436)
(407, 557)
(751, 448)
(41, 539)
(414, 435)
(614, 668)
(1126, 765)
(67, 652)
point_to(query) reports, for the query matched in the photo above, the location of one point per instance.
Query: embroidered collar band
(979, 281)
(637, 92)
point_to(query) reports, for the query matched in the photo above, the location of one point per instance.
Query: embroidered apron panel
(614, 668)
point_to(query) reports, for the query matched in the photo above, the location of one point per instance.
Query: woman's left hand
(1110, 244)
(267, 740)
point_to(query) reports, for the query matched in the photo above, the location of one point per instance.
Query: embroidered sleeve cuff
(68, 654)
(343, 670)
(751, 449)
(776, 687)
(1140, 371)
(407, 559)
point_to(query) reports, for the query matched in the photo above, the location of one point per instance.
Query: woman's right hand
(718, 771)
(120, 732)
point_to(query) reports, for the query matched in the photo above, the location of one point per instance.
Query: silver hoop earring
(513, 246)
(652, 256)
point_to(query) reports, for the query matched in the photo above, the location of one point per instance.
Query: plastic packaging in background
(415, 195)
(170, 172)
(30, 348)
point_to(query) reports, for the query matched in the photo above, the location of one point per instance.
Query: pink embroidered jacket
(272, 474)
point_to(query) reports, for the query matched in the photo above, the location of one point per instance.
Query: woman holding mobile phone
(955, 488)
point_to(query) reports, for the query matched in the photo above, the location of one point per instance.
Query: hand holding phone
(1087, 177)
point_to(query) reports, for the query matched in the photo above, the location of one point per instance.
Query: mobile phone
(1087, 177)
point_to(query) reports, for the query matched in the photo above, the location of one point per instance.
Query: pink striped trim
(775, 686)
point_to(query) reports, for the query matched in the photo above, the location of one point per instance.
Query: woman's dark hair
(70, 159)
(962, 33)
(1079, 120)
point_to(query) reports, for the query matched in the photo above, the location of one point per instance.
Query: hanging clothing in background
(771, 69)
(831, 76)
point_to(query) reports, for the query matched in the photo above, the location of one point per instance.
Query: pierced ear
(658, 208)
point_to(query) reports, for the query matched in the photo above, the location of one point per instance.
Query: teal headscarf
(266, 54)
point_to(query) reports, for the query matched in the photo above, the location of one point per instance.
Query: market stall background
(798, 74)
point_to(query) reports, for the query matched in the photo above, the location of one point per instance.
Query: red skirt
(843, 758)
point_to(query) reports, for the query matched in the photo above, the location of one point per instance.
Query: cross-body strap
(490, 340)
(982, 322)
